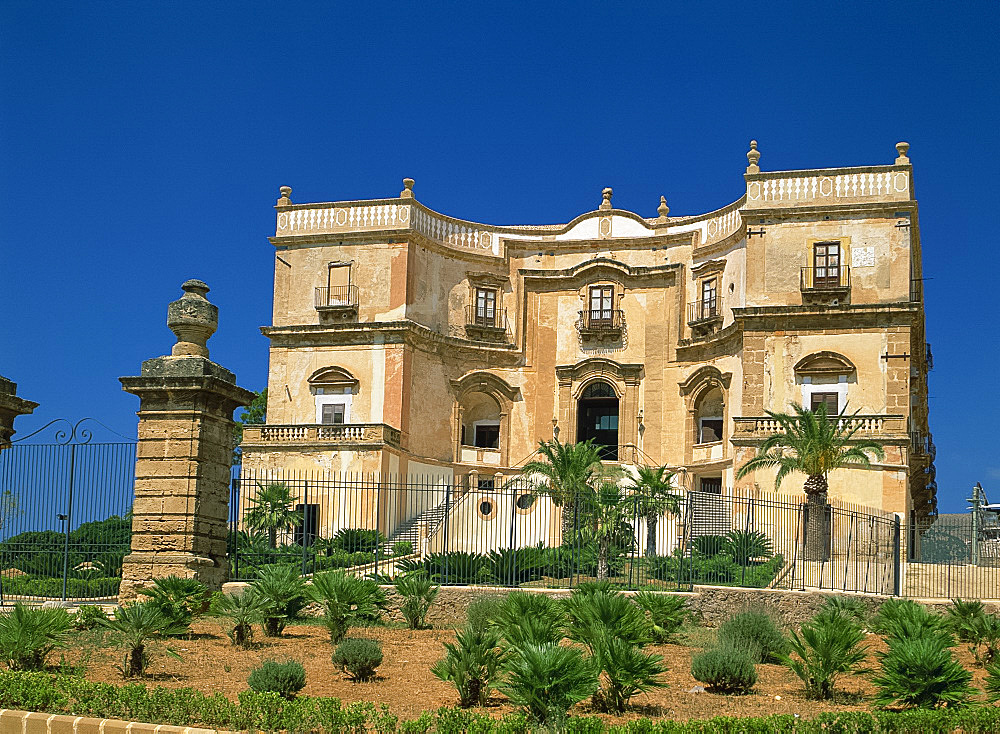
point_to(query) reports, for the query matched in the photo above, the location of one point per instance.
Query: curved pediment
(332, 376)
(707, 375)
(604, 224)
(825, 363)
(486, 382)
(599, 366)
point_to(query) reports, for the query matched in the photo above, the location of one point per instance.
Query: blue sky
(142, 144)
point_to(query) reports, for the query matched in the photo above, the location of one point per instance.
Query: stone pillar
(11, 407)
(183, 459)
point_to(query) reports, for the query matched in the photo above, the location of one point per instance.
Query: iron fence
(510, 531)
(65, 516)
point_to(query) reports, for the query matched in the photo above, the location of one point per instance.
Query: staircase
(409, 531)
(710, 514)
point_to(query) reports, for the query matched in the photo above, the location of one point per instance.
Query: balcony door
(826, 265)
(486, 307)
(709, 299)
(597, 418)
(602, 303)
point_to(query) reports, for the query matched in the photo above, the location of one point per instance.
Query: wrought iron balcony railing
(487, 324)
(707, 309)
(602, 320)
(340, 296)
(825, 279)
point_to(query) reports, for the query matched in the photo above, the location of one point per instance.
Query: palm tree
(608, 519)
(271, 511)
(572, 472)
(812, 443)
(653, 488)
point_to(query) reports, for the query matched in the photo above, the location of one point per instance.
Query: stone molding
(41, 723)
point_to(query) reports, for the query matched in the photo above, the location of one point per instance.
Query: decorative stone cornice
(627, 373)
(11, 407)
(487, 382)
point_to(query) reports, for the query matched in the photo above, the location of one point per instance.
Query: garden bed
(209, 663)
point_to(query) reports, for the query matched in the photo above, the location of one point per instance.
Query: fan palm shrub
(570, 474)
(655, 495)
(346, 600)
(848, 606)
(609, 526)
(902, 619)
(963, 617)
(992, 682)
(134, 626)
(239, 612)
(921, 672)
(179, 600)
(666, 613)
(418, 593)
(813, 443)
(827, 646)
(284, 593)
(472, 663)
(271, 509)
(28, 635)
(516, 566)
(747, 546)
(547, 680)
(526, 618)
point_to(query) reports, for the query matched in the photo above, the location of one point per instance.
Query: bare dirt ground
(208, 662)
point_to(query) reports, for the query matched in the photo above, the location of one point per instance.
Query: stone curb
(26, 722)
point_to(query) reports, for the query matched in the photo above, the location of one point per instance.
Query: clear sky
(142, 144)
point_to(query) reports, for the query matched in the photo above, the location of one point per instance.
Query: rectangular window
(826, 265)
(339, 285)
(709, 299)
(709, 430)
(488, 436)
(333, 413)
(829, 399)
(602, 299)
(486, 307)
(306, 533)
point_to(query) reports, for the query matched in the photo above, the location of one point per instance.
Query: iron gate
(65, 514)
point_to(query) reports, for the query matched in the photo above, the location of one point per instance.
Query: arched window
(480, 421)
(597, 418)
(709, 416)
(824, 377)
(333, 390)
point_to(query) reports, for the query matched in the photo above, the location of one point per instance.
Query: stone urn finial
(753, 157)
(902, 148)
(286, 194)
(606, 198)
(663, 210)
(193, 320)
(407, 192)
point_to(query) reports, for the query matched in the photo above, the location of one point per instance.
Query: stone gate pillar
(11, 407)
(183, 459)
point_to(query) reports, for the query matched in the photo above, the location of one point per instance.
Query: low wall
(35, 723)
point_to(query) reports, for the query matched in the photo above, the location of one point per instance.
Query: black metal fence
(958, 556)
(65, 516)
(510, 531)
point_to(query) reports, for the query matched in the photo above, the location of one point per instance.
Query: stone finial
(407, 192)
(753, 157)
(285, 198)
(663, 210)
(193, 320)
(902, 159)
(606, 198)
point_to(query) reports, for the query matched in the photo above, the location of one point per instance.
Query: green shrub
(709, 545)
(134, 626)
(515, 566)
(471, 663)
(902, 619)
(748, 546)
(963, 617)
(830, 645)
(725, 669)
(284, 593)
(48, 587)
(666, 613)
(921, 672)
(88, 617)
(28, 635)
(454, 567)
(357, 540)
(547, 680)
(346, 601)
(179, 599)
(992, 682)
(524, 618)
(970, 623)
(484, 610)
(286, 679)
(756, 632)
(402, 548)
(359, 656)
(847, 606)
(628, 671)
(418, 592)
(240, 612)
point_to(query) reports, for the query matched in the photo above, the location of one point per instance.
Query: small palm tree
(136, 625)
(608, 522)
(572, 473)
(814, 444)
(653, 487)
(271, 511)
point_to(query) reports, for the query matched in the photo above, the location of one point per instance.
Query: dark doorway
(597, 419)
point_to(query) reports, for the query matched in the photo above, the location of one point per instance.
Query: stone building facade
(408, 342)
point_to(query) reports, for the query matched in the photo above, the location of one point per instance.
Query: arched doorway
(597, 418)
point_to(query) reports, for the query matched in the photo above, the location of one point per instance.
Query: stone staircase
(409, 531)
